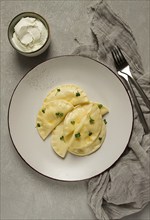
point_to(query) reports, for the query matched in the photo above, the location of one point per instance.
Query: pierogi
(50, 115)
(92, 147)
(71, 93)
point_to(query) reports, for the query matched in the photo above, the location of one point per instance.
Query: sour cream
(29, 35)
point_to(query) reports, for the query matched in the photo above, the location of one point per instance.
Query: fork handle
(143, 95)
(138, 108)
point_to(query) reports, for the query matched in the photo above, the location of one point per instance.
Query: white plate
(101, 85)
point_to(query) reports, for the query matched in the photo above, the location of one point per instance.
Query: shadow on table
(28, 63)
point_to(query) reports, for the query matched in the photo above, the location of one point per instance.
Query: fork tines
(119, 59)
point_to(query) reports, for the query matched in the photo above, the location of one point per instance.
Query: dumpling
(71, 93)
(85, 129)
(93, 147)
(51, 115)
(58, 142)
(74, 118)
(62, 133)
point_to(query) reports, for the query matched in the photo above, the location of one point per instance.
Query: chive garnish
(59, 114)
(91, 120)
(58, 90)
(78, 135)
(77, 94)
(43, 110)
(90, 133)
(100, 106)
(105, 121)
(100, 138)
(62, 138)
(72, 122)
(38, 125)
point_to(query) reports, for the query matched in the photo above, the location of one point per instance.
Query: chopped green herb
(91, 120)
(100, 106)
(38, 125)
(90, 133)
(105, 121)
(59, 114)
(77, 94)
(58, 90)
(72, 122)
(43, 110)
(100, 138)
(62, 138)
(78, 135)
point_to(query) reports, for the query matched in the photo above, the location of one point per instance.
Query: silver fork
(123, 70)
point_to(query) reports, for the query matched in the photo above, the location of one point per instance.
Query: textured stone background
(26, 194)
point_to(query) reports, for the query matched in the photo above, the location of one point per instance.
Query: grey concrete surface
(26, 194)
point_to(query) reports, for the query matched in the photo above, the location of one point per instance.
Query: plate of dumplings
(70, 118)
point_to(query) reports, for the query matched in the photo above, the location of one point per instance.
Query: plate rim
(11, 98)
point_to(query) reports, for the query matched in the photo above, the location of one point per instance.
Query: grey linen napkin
(123, 189)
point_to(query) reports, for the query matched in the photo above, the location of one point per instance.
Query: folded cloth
(123, 189)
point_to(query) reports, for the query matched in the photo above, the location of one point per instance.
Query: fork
(123, 70)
